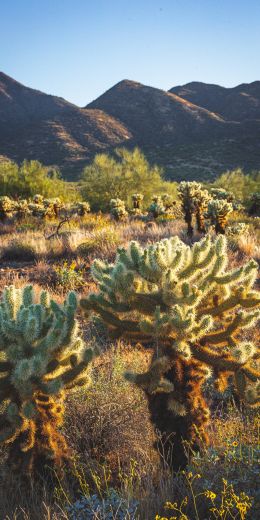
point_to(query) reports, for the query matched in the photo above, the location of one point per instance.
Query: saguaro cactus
(218, 211)
(185, 302)
(42, 358)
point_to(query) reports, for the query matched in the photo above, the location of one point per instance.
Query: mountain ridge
(190, 140)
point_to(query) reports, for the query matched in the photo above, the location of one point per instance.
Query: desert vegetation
(129, 366)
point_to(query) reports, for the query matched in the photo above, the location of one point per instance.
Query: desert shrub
(67, 276)
(32, 177)
(184, 302)
(111, 505)
(120, 176)
(19, 251)
(239, 184)
(254, 204)
(99, 242)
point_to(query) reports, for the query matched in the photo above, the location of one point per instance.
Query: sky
(77, 49)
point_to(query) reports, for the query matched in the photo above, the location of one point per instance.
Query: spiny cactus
(237, 230)
(38, 199)
(218, 211)
(221, 194)
(157, 207)
(201, 201)
(82, 208)
(185, 302)
(21, 208)
(6, 207)
(117, 209)
(137, 199)
(188, 191)
(42, 358)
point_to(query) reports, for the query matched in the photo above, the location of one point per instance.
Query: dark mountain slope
(237, 104)
(34, 125)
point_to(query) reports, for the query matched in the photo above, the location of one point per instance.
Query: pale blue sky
(77, 49)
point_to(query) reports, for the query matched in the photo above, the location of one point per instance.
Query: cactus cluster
(218, 211)
(187, 304)
(198, 202)
(194, 201)
(118, 210)
(6, 207)
(42, 358)
(40, 207)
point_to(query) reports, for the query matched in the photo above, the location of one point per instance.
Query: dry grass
(108, 426)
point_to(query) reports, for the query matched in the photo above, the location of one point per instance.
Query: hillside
(194, 131)
(34, 125)
(234, 104)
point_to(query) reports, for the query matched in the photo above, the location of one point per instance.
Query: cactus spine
(42, 358)
(193, 309)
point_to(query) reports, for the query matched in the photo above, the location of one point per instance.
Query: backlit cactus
(82, 208)
(137, 199)
(157, 207)
(117, 209)
(42, 358)
(21, 209)
(6, 207)
(185, 303)
(201, 201)
(187, 192)
(218, 211)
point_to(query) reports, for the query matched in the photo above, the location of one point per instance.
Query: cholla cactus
(42, 358)
(21, 208)
(117, 209)
(221, 194)
(187, 193)
(137, 199)
(185, 302)
(201, 201)
(237, 230)
(38, 199)
(82, 208)
(218, 211)
(6, 207)
(254, 205)
(157, 207)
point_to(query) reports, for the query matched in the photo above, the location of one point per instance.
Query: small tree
(183, 302)
(42, 359)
